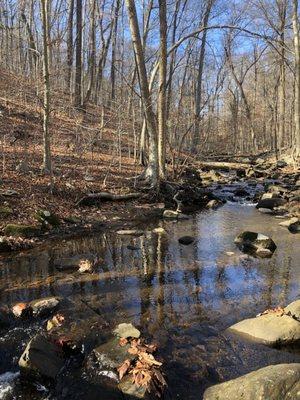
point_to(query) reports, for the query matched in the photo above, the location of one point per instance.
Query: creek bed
(183, 297)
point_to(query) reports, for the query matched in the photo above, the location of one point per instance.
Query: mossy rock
(46, 217)
(5, 211)
(22, 230)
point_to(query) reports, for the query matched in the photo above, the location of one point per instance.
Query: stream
(182, 297)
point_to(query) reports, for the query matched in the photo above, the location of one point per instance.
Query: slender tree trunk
(46, 40)
(297, 77)
(152, 172)
(70, 46)
(282, 6)
(92, 54)
(162, 123)
(78, 71)
(113, 52)
(198, 97)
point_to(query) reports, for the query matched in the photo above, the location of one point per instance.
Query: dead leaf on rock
(123, 342)
(122, 370)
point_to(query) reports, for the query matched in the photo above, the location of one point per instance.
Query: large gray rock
(275, 382)
(255, 243)
(41, 358)
(271, 329)
(109, 356)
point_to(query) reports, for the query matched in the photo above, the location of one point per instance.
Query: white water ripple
(6, 383)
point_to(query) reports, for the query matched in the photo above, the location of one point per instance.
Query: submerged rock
(41, 358)
(109, 356)
(255, 243)
(129, 388)
(44, 306)
(275, 382)
(186, 240)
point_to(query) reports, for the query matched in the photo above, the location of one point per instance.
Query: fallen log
(96, 198)
(224, 166)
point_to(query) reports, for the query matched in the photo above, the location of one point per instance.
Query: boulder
(255, 243)
(42, 358)
(275, 382)
(186, 240)
(271, 203)
(271, 329)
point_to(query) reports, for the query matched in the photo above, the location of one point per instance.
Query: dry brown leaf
(124, 368)
(141, 377)
(149, 359)
(133, 350)
(123, 342)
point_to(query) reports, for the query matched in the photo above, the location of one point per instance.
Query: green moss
(21, 230)
(5, 211)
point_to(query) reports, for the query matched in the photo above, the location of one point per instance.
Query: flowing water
(183, 297)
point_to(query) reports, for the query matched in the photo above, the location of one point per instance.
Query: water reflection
(184, 296)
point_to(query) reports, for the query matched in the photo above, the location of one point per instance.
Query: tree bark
(162, 123)
(198, 97)
(46, 106)
(70, 46)
(152, 172)
(78, 71)
(297, 77)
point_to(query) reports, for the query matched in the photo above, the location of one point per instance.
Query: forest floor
(86, 158)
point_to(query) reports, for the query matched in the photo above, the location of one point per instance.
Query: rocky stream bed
(181, 282)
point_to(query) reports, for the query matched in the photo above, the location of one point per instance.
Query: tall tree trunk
(198, 97)
(113, 52)
(162, 123)
(46, 40)
(152, 172)
(78, 71)
(282, 7)
(297, 77)
(70, 46)
(92, 53)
